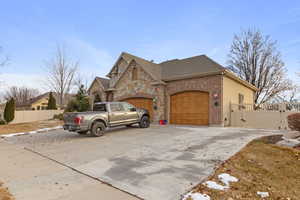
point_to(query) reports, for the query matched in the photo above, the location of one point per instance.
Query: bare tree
(80, 81)
(21, 95)
(254, 58)
(3, 59)
(61, 71)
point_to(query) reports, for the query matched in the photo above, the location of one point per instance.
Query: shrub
(9, 111)
(58, 116)
(51, 102)
(2, 122)
(294, 121)
(80, 103)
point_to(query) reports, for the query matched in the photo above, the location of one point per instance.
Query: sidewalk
(30, 176)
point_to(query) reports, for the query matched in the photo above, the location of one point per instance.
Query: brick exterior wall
(142, 87)
(210, 84)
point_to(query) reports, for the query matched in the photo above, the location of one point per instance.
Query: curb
(30, 132)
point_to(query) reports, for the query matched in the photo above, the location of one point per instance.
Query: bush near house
(294, 121)
(80, 103)
(51, 102)
(9, 111)
(58, 116)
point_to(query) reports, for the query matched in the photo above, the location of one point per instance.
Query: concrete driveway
(161, 162)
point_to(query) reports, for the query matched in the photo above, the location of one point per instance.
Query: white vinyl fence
(34, 115)
(267, 116)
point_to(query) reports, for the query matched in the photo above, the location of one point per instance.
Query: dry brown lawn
(4, 193)
(30, 126)
(260, 166)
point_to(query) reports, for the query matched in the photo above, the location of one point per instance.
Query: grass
(4, 193)
(29, 126)
(260, 166)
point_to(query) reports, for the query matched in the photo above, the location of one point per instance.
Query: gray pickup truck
(105, 115)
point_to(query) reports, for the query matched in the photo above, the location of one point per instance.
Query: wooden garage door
(190, 108)
(142, 103)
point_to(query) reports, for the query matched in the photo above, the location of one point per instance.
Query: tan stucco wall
(260, 119)
(231, 91)
(34, 115)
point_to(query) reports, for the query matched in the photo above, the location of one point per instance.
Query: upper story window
(134, 74)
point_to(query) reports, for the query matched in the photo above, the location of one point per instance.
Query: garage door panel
(190, 108)
(142, 103)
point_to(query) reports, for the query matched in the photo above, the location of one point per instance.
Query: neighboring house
(41, 102)
(195, 90)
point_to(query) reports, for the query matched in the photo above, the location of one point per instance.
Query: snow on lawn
(214, 185)
(196, 196)
(263, 194)
(226, 178)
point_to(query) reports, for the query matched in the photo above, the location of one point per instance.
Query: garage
(191, 107)
(145, 103)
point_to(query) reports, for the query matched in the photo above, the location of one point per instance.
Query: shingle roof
(151, 67)
(103, 81)
(180, 68)
(189, 66)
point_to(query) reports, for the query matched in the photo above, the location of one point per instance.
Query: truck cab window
(99, 107)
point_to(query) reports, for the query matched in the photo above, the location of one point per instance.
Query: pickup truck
(105, 115)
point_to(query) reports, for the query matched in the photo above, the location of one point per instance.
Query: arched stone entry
(97, 98)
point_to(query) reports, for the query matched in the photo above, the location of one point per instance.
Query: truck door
(116, 114)
(131, 114)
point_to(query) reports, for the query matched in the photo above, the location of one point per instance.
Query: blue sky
(96, 32)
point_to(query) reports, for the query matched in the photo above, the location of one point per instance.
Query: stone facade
(97, 88)
(143, 87)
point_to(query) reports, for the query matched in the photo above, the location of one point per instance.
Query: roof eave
(189, 76)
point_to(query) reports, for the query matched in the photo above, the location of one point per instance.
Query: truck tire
(145, 122)
(98, 129)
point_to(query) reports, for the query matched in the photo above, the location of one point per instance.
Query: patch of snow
(263, 194)
(227, 178)
(214, 185)
(13, 134)
(31, 132)
(196, 196)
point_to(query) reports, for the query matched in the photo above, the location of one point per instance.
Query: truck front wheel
(145, 122)
(98, 129)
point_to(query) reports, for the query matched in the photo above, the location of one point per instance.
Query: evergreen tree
(80, 103)
(9, 111)
(51, 102)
